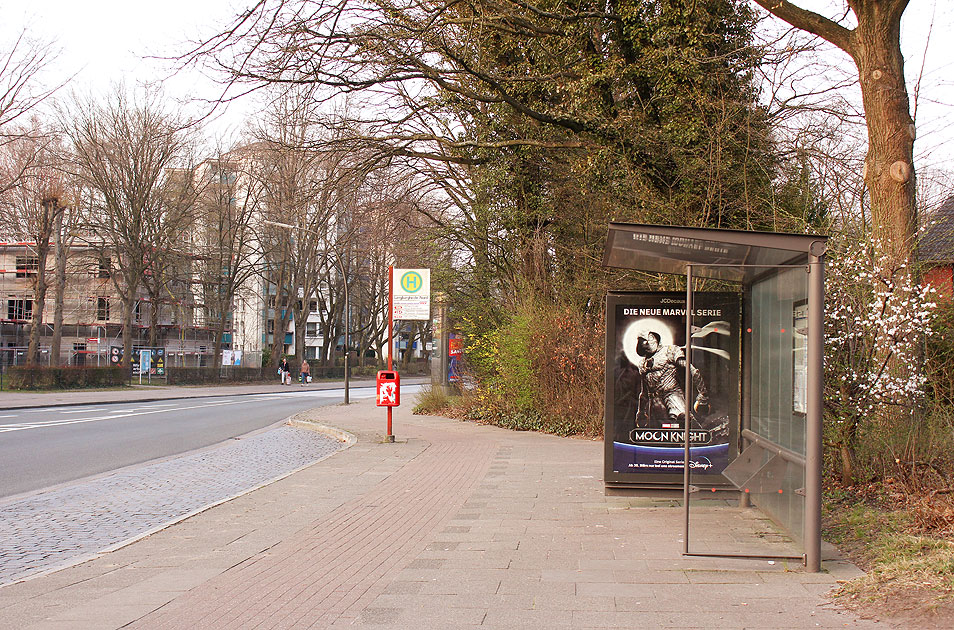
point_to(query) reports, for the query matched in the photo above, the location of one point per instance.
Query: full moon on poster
(650, 406)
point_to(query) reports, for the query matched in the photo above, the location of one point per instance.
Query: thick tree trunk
(889, 166)
(153, 321)
(875, 46)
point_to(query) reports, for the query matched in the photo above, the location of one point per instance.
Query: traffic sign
(412, 294)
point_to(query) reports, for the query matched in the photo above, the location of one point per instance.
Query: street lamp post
(347, 308)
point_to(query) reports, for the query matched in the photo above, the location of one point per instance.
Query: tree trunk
(153, 321)
(217, 342)
(875, 47)
(889, 166)
(59, 284)
(39, 301)
(129, 304)
(846, 465)
(299, 316)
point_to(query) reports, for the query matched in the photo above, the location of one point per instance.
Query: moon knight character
(661, 392)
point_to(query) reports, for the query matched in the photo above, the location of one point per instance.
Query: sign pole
(390, 436)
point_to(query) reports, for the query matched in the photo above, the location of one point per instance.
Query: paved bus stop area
(456, 525)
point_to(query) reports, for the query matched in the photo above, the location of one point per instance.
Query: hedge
(72, 377)
(203, 375)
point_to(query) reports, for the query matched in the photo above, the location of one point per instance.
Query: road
(45, 447)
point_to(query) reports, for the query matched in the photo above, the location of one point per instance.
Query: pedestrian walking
(305, 372)
(284, 370)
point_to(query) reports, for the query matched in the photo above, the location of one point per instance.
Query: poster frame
(657, 480)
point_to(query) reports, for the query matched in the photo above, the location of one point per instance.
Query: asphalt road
(45, 447)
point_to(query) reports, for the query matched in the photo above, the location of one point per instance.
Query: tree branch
(809, 21)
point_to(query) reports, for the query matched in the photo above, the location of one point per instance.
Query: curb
(341, 435)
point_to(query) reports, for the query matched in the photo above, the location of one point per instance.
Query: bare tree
(125, 151)
(21, 91)
(33, 210)
(227, 247)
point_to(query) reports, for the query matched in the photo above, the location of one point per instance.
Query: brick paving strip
(333, 569)
(53, 529)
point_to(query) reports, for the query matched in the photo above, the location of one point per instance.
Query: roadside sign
(92, 340)
(412, 294)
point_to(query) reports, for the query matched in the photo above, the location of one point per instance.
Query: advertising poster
(454, 352)
(647, 407)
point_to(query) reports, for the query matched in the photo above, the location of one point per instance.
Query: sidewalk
(454, 526)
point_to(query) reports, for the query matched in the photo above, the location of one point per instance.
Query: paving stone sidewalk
(58, 527)
(454, 526)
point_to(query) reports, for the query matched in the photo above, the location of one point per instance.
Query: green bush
(540, 369)
(72, 377)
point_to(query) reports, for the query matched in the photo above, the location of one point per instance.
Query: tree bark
(39, 301)
(59, 288)
(889, 166)
(875, 47)
(129, 304)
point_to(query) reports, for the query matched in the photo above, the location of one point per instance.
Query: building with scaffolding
(92, 312)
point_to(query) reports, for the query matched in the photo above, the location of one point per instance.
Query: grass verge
(909, 570)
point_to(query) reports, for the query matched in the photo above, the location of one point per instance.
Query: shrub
(430, 400)
(541, 369)
(202, 375)
(71, 377)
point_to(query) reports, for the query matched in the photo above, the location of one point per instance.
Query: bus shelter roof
(735, 255)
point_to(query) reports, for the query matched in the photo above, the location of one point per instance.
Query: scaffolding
(92, 315)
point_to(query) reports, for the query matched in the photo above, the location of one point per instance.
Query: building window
(105, 265)
(313, 306)
(102, 309)
(311, 329)
(271, 326)
(19, 309)
(137, 312)
(27, 266)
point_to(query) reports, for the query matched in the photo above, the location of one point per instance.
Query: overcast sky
(104, 41)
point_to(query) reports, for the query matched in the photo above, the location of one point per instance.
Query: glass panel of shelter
(746, 406)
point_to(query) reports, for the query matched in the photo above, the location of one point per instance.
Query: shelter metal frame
(738, 256)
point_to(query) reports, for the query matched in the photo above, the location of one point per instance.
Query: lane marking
(6, 428)
(358, 392)
(88, 410)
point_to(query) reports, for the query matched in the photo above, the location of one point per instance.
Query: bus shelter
(743, 368)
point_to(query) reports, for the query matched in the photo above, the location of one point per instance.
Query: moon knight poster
(646, 404)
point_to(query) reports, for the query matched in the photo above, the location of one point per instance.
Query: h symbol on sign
(411, 283)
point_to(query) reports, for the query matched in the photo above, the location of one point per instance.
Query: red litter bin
(388, 388)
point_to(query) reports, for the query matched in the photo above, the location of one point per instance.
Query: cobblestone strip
(334, 568)
(63, 526)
